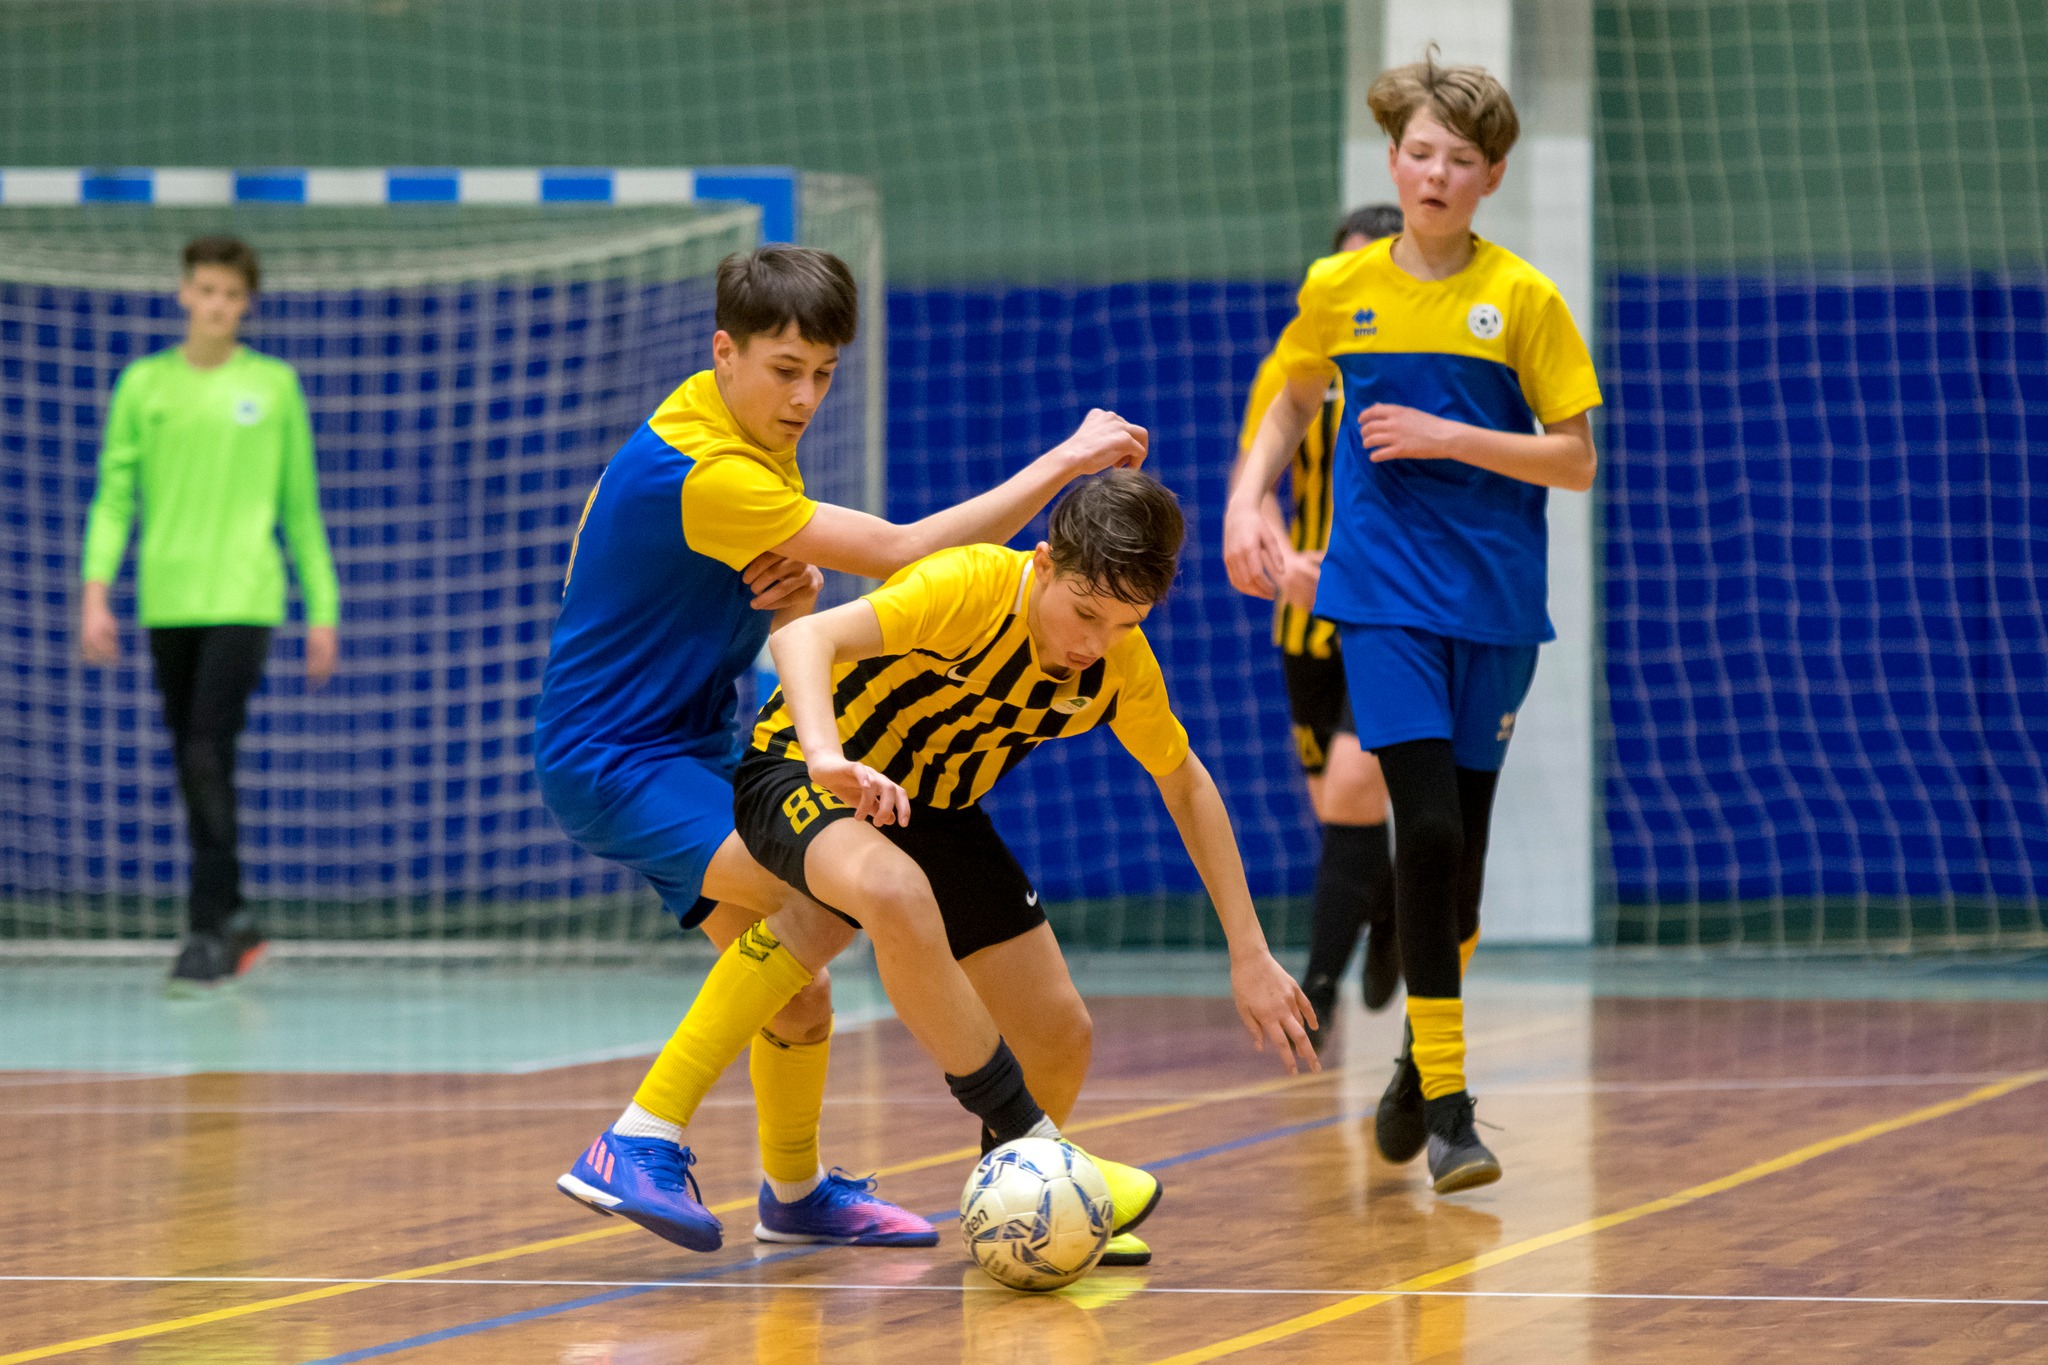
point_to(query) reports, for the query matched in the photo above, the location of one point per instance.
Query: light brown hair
(232, 252)
(1122, 533)
(1465, 99)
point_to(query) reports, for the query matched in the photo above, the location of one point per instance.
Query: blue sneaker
(646, 1180)
(844, 1212)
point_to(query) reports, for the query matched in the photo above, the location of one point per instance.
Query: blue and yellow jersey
(1439, 545)
(1294, 630)
(956, 699)
(655, 628)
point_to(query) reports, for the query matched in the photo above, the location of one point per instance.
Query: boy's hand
(1104, 441)
(874, 798)
(1255, 552)
(99, 635)
(1392, 432)
(778, 582)
(322, 652)
(1274, 1010)
(1299, 578)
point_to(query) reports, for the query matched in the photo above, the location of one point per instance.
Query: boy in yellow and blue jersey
(697, 539)
(1354, 884)
(1469, 389)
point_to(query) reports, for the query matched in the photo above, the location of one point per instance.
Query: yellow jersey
(957, 698)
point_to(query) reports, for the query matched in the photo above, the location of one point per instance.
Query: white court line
(456, 1105)
(814, 1286)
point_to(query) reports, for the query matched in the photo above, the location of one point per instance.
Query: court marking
(1799, 1156)
(620, 1229)
(1135, 1291)
(1507, 1089)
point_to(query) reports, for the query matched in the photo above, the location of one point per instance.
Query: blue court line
(613, 1296)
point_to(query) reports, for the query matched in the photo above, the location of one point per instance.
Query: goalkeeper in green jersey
(214, 439)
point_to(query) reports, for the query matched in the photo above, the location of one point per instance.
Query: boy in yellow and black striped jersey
(900, 711)
(1354, 886)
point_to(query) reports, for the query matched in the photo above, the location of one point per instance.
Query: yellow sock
(752, 980)
(789, 1095)
(1465, 951)
(1439, 1044)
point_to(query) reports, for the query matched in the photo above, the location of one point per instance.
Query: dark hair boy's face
(1441, 177)
(773, 382)
(215, 298)
(1072, 622)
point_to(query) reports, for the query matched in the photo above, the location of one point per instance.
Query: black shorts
(983, 895)
(1319, 705)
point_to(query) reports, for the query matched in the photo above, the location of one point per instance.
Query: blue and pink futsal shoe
(647, 1180)
(842, 1211)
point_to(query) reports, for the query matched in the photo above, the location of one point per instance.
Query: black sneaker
(1382, 964)
(1458, 1160)
(1321, 991)
(202, 964)
(1398, 1128)
(245, 942)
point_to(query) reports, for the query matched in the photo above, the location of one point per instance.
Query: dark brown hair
(1465, 99)
(766, 289)
(232, 252)
(1372, 222)
(1122, 533)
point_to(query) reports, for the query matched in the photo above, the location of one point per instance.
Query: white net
(468, 372)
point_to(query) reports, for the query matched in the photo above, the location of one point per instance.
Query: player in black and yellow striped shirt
(900, 711)
(1354, 887)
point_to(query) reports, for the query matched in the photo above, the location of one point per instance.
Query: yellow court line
(1458, 1271)
(153, 1329)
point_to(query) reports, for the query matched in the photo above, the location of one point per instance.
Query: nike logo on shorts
(1031, 899)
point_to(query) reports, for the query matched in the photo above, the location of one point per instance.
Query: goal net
(469, 368)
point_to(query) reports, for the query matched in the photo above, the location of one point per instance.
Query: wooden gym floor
(1701, 1166)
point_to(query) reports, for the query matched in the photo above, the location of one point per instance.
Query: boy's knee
(1432, 839)
(896, 903)
(807, 1018)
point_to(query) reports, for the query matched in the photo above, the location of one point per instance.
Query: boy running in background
(899, 712)
(1354, 887)
(1451, 352)
(696, 534)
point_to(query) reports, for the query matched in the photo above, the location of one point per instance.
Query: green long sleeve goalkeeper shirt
(221, 459)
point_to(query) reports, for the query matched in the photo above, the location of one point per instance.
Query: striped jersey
(1294, 630)
(957, 698)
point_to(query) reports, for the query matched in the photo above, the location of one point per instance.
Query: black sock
(1354, 885)
(996, 1095)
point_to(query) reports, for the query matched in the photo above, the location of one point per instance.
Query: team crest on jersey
(1364, 323)
(1484, 321)
(248, 412)
(1072, 705)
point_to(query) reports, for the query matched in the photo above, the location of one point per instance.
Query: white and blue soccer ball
(1036, 1214)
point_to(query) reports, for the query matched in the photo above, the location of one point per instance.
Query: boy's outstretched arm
(856, 543)
(805, 651)
(1272, 1006)
(1255, 550)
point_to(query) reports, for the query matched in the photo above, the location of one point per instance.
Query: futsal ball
(1036, 1214)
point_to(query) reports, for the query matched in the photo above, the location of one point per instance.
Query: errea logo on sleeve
(1484, 321)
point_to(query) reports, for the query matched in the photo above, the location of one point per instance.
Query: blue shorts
(663, 815)
(1414, 684)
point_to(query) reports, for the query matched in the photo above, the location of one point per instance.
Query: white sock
(1045, 1128)
(637, 1122)
(789, 1191)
